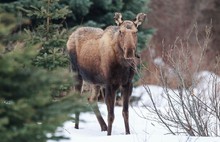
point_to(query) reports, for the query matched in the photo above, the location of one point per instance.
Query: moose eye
(121, 33)
(134, 33)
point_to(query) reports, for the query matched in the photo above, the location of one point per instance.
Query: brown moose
(106, 59)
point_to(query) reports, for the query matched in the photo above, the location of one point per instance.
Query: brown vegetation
(175, 22)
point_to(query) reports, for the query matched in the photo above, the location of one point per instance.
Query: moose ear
(118, 18)
(139, 19)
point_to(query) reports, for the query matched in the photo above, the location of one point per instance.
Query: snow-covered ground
(142, 129)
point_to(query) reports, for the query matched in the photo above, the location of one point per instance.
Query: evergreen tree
(96, 13)
(49, 32)
(31, 108)
(27, 110)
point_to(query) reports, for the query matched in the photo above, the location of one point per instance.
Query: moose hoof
(104, 128)
(127, 133)
(76, 126)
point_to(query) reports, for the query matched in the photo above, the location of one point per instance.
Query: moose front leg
(126, 93)
(110, 102)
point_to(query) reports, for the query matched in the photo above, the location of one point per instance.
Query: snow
(143, 129)
(208, 83)
(157, 94)
(159, 61)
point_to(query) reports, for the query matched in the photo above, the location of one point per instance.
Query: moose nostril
(129, 53)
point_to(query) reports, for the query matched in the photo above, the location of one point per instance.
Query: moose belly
(89, 64)
(92, 75)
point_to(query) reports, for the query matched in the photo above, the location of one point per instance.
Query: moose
(106, 59)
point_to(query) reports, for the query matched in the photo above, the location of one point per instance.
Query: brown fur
(106, 58)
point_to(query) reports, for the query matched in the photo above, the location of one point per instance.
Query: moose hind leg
(93, 102)
(126, 93)
(77, 88)
(99, 118)
(77, 120)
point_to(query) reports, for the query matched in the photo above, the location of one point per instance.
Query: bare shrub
(193, 108)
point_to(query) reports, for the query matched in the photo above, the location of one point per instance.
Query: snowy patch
(159, 61)
(208, 83)
(143, 128)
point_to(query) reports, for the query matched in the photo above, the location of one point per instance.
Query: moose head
(128, 33)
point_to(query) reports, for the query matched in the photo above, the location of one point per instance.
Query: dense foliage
(71, 13)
